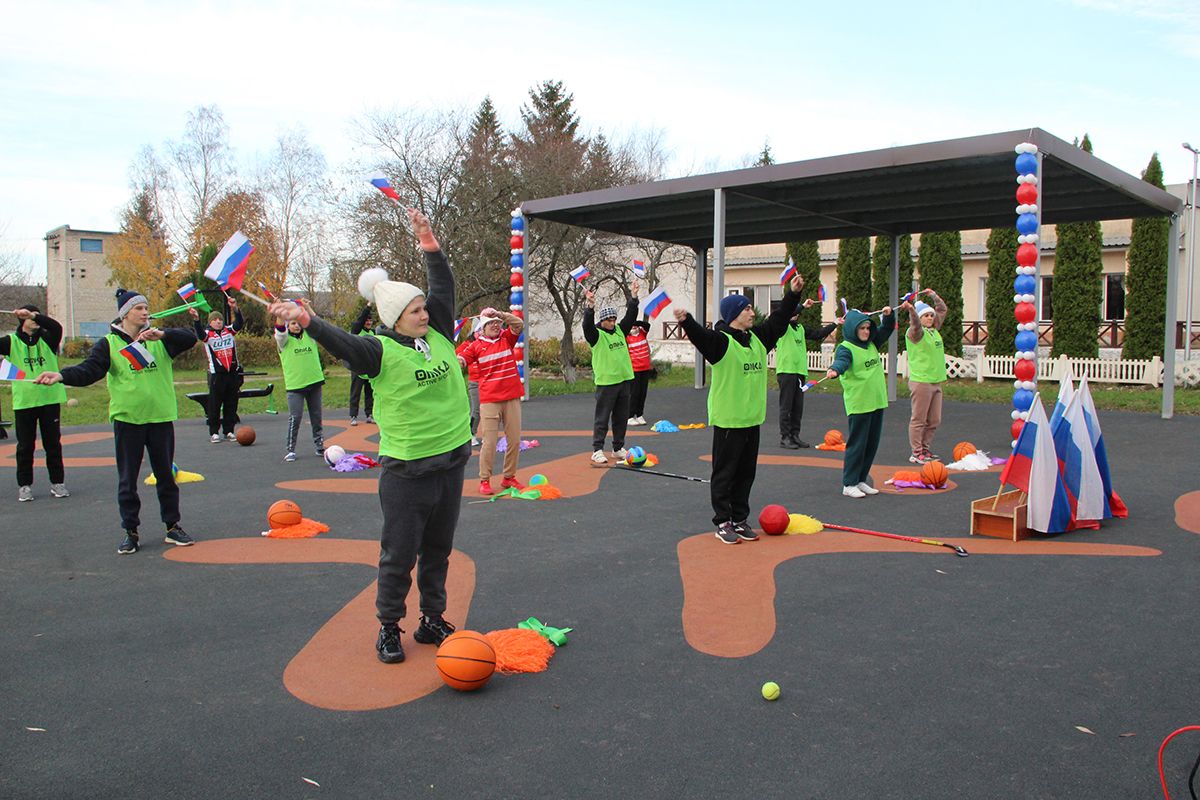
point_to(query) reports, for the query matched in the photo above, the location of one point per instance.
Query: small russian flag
(655, 302)
(228, 269)
(807, 385)
(137, 355)
(639, 268)
(10, 371)
(187, 291)
(580, 273)
(821, 292)
(384, 185)
(788, 272)
(911, 296)
(458, 326)
(263, 288)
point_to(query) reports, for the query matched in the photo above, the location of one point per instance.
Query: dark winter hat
(643, 324)
(608, 312)
(31, 307)
(127, 300)
(731, 306)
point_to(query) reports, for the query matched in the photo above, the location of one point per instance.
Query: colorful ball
(935, 474)
(1027, 193)
(466, 660)
(1026, 340)
(1025, 370)
(773, 519)
(1026, 164)
(516, 279)
(1024, 312)
(246, 436)
(283, 513)
(333, 454)
(517, 242)
(1027, 224)
(1027, 255)
(635, 456)
(538, 480)
(962, 450)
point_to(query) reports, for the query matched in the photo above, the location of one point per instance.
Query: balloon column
(1025, 285)
(516, 297)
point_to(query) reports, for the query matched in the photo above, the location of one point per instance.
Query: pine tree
(881, 272)
(807, 258)
(1146, 279)
(854, 272)
(940, 261)
(1002, 263)
(1078, 288)
(765, 158)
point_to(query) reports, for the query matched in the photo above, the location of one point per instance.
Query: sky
(84, 86)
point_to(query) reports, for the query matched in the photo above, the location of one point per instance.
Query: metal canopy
(959, 184)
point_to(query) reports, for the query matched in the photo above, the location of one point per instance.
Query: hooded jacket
(879, 337)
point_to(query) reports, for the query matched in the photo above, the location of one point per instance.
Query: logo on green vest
(616, 345)
(752, 366)
(871, 362)
(426, 377)
(34, 362)
(306, 349)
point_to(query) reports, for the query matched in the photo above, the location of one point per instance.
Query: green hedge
(253, 351)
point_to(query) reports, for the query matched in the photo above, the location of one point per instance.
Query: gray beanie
(126, 300)
(608, 312)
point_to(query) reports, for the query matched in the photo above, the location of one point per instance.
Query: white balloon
(1016, 415)
(516, 212)
(1024, 415)
(517, 270)
(516, 251)
(1032, 208)
(1017, 298)
(1028, 386)
(1017, 385)
(1031, 238)
(1027, 298)
(1014, 444)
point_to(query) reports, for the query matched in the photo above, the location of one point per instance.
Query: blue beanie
(924, 308)
(126, 300)
(731, 306)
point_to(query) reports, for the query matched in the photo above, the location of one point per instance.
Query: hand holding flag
(187, 291)
(639, 268)
(10, 371)
(580, 273)
(788, 272)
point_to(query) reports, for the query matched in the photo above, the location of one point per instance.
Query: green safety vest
(738, 397)
(421, 406)
(791, 355)
(301, 362)
(927, 358)
(34, 360)
(140, 396)
(610, 358)
(863, 386)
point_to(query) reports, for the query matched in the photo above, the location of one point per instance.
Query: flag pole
(252, 296)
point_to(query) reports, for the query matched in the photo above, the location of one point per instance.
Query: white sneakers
(620, 454)
(598, 457)
(231, 437)
(216, 437)
(861, 490)
(59, 490)
(635, 421)
(353, 421)
(867, 488)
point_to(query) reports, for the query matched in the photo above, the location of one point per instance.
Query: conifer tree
(1146, 279)
(807, 259)
(881, 275)
(854, 272)
(939, 260)
(1078, 291)
(1002, 262)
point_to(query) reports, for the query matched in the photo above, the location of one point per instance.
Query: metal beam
(718, 249)
(1168, 389)
(701, 312)
(893, 300)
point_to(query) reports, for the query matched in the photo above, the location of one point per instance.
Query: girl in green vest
(424, 433)
(791, 371)
(33, 347)
(303, 377)
(864, 391)
(612, 371)
(926, 374)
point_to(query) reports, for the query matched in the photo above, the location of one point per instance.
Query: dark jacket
(95, 366)
(713, 345)
(49, 332)
(879, 336)
(591, 335)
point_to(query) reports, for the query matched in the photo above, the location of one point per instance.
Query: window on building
(91, 245)
(1114, 297)
(1046, 304)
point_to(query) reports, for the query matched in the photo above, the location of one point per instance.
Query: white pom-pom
(367, 281)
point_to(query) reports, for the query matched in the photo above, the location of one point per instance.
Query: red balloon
(1016, 427)
(516, 242)
(1027, 193)
(1025, 370)
(516, 279)
(1027, 255)
(1024, 312)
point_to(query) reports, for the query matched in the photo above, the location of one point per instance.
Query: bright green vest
(927, 358)
(301, 362)
(610, 358)
(34, 360)
(140, 396)
(863, 386)
(421, 406)
(791, 355)
(738, 397)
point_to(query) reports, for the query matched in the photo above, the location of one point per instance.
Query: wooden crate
(1005, 521)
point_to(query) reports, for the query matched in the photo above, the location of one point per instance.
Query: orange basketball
(245, 436)
(962, 450)
(833, 437)
(935, 474)
(466, 660)
(282, 514)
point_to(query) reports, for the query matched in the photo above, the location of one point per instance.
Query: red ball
(1024, 312)
(516, 279)
(1027, 255)
(773, 520)
(1016, 427)
(1025, 370)
(1027, 193)
(516, 242)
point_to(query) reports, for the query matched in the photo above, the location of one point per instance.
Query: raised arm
(364, 354)
(712, 345)
(775, 325)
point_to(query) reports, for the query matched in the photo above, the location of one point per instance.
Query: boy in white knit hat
(424, 433)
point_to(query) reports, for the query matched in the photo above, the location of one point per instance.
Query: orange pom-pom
(935, 474)
(548, 492)
(304, 529)
(962, 450)
(466, 660)
(521, 650)
(283, 513)
(909, 475)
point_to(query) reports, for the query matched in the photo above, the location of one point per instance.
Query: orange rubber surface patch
(1187, 512)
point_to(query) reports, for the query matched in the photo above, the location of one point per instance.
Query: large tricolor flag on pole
(580, 273)
(228, 269)
(1077, 462)
(1033, 468)
(137, 355)
(1113, 505)
(655, 302)
(10, 371)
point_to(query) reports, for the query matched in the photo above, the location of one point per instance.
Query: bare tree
(15, 267)
(203, 163)
(293, 186)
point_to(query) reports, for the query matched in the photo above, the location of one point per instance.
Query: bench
(202, 397)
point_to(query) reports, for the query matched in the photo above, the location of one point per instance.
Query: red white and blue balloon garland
(516, 280)
(1025, 285)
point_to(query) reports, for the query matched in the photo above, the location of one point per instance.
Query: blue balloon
(1027, 224)
(1026, 340)
(521, 368)
(517, 260)
(521, 338)
(518, 223)
(516, 298)
(1024, 284)
(1026, 164)
(1022, 399)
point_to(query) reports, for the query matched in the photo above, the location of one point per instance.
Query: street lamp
(70, 290)
(1187, 326)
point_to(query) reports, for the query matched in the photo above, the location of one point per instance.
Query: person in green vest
(303, 377)
(858, 364)
(926, 374)
(791, 371)
(424, 424)
(612, 371)
(33, 347)
(136, 362)
(363, 326)
(737, 401)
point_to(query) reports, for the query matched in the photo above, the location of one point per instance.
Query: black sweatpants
(26, 422)
(223, 390)
(357, 385)
(861, 444)
(734, 463)
(637, 393)
(158, 440)
(791, 404)
(612, 404)
(419, 518)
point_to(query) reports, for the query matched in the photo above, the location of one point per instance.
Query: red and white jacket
(220, 346)
(472, 366)
(498, 377)
(639, 349)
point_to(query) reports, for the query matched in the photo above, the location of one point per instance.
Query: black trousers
(734, 463)
(637, 393)
(861, 444)
(158, 440)
(357, 385)
(26, 421)
(223, 390)
(612, 404)
(791, 404)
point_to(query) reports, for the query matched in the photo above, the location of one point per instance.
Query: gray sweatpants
(419, 518)
(296, 401)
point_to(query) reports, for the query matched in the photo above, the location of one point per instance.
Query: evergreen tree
(1078, 291)
(881, 271)
(807, 258)
(940, 261)
(1146, 279)
(1002, 263)
(765, 158)
(854, 272)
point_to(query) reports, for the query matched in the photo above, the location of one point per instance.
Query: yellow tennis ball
(770, 690)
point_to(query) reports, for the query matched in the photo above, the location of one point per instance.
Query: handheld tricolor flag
(137, 355)
(911, 297)
(187, 291)
(1033, 468)
(458, 326)
(229, 267)
(788, 272)
(821, 292)
(639, 268)
(263, 288)
(384, 185)
(580, 273)
(10, 371)
(655, 302)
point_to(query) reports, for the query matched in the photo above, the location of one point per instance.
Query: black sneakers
(177, 535)
(727, 533)
(745, 532)
(800, 442)
(432, 630)
(388, 646)
(788, 443)
(129, 545)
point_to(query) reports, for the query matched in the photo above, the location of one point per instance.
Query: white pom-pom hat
(390, 297)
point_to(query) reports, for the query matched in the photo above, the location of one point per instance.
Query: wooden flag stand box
(1001, 516)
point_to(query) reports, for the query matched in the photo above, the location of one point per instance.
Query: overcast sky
(85, 85)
